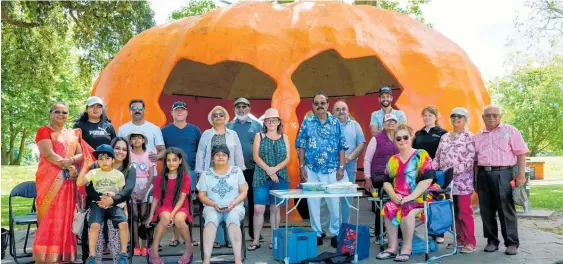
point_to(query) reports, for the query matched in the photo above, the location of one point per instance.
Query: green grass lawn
(12, 176)
(547, 197)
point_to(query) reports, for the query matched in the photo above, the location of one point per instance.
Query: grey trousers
(495, 196)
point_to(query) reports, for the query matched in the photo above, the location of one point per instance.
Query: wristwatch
(341, 167)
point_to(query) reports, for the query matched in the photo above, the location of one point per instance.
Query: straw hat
(271, 113)
(210, 115)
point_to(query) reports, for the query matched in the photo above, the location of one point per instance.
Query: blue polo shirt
(186, 139)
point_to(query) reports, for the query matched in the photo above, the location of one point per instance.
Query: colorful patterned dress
(405, 177)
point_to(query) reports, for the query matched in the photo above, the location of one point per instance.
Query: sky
(480, 27)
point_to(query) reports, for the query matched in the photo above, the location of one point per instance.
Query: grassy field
(12, 176)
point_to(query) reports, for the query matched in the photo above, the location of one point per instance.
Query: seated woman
(222, 190)
(409, 175)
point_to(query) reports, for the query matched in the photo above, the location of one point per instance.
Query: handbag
(440, 217)
(78, 221)
(348, 240)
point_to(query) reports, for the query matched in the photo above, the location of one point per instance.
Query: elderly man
(501, 157)
(385, 99)
(185, 136)
(321, 147)
(246, 128)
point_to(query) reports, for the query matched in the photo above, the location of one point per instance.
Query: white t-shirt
(151, 131)
(222, 190)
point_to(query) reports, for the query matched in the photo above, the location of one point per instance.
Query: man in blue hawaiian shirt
(321, 146)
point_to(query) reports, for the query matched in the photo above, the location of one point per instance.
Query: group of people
(234, 165)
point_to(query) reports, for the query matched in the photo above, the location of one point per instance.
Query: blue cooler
(302, 244)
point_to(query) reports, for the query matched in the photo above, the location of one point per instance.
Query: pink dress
(167, 205)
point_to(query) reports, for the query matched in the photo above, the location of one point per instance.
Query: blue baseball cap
(104, 149)
(385, 89)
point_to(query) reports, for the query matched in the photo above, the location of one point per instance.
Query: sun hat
(210, 115)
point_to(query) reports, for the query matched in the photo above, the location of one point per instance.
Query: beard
(243, 118)
(385, 103)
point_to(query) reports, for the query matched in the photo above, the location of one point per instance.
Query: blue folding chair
(439, 215)
(24, 190)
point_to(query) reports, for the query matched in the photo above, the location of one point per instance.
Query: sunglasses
(241, 106)
(491, 116)
(454, 116)
(58, 112)
(392, 121)
(405, 138)
(272, 121)
(218, 115)
(136, 108)
(319, 103)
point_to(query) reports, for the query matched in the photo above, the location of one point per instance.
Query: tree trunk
(21, 148)
(5, 158)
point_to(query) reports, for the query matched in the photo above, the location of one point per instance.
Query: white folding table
(285, 195)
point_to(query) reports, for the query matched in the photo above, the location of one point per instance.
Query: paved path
(536, 247)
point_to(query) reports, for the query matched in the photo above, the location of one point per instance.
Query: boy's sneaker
(137, 251)
(122, 258)
(91, 260)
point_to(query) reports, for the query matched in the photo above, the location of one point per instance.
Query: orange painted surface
(538, 167)
(430, 68)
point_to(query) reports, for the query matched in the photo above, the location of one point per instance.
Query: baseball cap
(460, 111)
(385, 89)
(389, 117)
(104, 149)
(179, 104)
(92, 100)
(242, 100)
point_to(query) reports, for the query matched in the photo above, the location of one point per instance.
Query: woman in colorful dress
(60, 151)
(457, 151)
(409, 175)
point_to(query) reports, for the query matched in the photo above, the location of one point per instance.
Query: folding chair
(377, 202)
(25, 190)
(225, 230)
(153, 225)
(445, 209)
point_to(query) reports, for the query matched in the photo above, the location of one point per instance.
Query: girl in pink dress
(170, 206)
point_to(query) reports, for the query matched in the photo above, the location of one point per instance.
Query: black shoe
(323, 235)
(319, 241)
(334, 242)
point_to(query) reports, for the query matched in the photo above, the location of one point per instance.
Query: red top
(43, 132)
(169, 192)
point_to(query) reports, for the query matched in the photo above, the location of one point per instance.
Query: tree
(531, 98)
(544, 22)
(412, 7)
(52, 51)
(193, 8)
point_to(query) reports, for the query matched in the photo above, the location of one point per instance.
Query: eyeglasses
(491, 115)
(136, 108)
(241, 106)
(405, 138)
(391, 122)
(218, 115)
(319, 103)
(454, 116)
(272, 121)
(58, 112)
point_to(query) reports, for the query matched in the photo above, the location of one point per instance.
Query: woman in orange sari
(60, 154)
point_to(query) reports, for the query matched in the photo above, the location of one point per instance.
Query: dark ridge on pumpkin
(339, 77)
(224, 80)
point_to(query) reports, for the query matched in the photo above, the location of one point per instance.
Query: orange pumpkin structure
(282, 55)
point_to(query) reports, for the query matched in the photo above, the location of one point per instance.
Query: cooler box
(302, 244)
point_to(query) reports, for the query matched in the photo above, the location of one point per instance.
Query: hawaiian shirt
(321, 143)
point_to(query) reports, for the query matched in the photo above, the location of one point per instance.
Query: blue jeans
(262, 193)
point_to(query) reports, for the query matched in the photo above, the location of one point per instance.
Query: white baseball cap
(92, 100)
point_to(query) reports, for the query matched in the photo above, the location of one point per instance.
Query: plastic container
(301, 244)
(313, 186)
(352, 188)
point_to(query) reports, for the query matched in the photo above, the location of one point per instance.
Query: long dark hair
(127, 161)
(183, 168)
(84, 116)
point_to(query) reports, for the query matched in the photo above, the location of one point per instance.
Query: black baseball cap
(179, 104)
(104, 149)
(385, 89)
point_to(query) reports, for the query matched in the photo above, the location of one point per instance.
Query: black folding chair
(24, 190)
(225, 232)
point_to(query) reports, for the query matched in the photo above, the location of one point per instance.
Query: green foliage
(544, 23)
(411, 8)
(52, 51)
(531, 98)
(193, 8)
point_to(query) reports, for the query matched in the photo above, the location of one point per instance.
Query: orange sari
(54, 241)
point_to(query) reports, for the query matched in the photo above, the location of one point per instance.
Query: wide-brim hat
(136, 132)
(271, 113)
(210, 115)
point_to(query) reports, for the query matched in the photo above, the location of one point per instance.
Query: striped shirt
(499, 147)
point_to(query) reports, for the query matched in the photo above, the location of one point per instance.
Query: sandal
(186, 260)
(153, 260)
(174, 243)
(386, 255)
(216, 245)
(229, 245)
(403, 255)
(271, 246)
(253, 247)
(451, 246)
(467, 249)
(195, 243)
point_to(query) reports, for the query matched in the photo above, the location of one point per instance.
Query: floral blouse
(457, 152)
